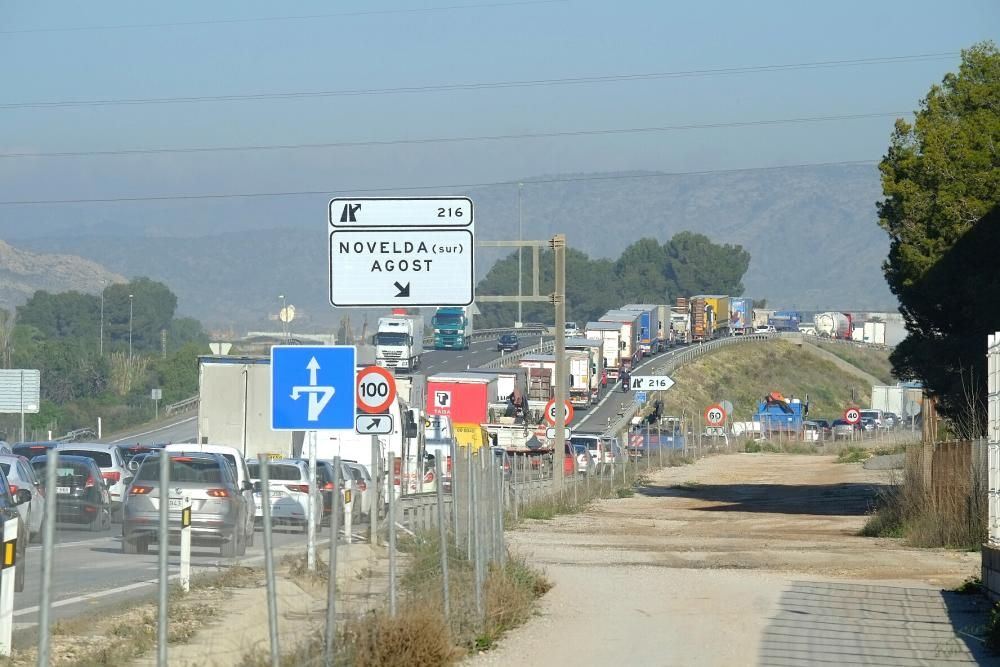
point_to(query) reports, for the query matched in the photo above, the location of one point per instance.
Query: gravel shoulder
(741, 559)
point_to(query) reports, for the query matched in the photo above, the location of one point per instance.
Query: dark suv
(8, 512)
(508, 342)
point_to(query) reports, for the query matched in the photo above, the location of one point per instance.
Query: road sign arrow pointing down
(404, 291)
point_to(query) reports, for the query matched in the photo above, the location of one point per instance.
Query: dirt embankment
(740, 559)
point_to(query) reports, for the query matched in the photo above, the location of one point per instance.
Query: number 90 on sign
(376, 389)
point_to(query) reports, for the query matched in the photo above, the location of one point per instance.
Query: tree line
(80, 343)
(646, 272)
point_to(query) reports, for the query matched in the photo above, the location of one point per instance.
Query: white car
(114, 469)
(362, 486)
(288, 486)
(20, 475)
(243, 481)
(571, 330)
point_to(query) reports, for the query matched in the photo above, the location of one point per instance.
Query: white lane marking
(86, 597)
(133, 436)
(38, 547)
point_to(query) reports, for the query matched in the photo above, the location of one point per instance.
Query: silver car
(21, 475)
(218, 513)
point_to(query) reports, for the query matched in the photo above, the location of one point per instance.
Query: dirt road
(740, 560)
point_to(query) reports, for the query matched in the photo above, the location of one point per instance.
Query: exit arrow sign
(651, 383)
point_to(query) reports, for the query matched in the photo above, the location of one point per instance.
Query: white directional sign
(401, 212)
(20, 390)
(651, 382)
(397, 252)
(373, 424)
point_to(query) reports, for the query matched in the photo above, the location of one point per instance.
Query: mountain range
(811, 233)
(22, 273)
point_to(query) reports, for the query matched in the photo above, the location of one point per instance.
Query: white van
(243, 481)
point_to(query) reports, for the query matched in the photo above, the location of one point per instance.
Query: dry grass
(955, 518)
(873, 361)
(416, 637)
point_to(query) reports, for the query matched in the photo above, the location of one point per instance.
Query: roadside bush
(853, 455)
(416, 637)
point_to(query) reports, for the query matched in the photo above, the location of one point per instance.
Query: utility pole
(520, 265)
(559, 301)
(130, 327)
(102, 318)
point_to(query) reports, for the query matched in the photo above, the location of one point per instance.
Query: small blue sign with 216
(313, 387)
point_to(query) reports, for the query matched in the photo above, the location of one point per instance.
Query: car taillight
(449, 465)
(298, 488)
(90, 482)
(137, 490)
(13, 489)
(328, 486)
(217, 493)
(429, 477)
(112, 475)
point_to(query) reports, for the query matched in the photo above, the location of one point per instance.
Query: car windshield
(391, 338)
(102, 459)
(183, 469)
(448, 320)
(276, 471)
(508, 338)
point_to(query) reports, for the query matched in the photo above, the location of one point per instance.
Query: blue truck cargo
(779, 415)
(650, 329)
(740, 316)
(785, 320)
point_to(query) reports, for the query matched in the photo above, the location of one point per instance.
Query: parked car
(218, 511)
(20, 475)
(362, 486)
(82, 495)
(571, 330)
(595, 447)
(811, 432)
(113, 467)
(235, 459)
(842, 430)
(10, 503)
(508, 342)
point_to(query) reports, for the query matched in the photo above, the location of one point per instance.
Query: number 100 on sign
(376, 390)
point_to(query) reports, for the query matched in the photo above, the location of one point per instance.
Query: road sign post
(852, 416)
(186, 544)
(402, 251)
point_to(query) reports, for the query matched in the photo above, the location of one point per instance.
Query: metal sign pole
(559, 299)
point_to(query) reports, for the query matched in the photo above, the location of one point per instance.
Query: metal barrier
(181, 406)
(78, 434)
(486, 334)
(514, 357)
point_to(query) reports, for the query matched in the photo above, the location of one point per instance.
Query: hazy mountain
(811, 233)
(22, 273)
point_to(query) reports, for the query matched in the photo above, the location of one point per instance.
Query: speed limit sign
(376, 389)
(715, 415)
(852, 415)
(550, 412)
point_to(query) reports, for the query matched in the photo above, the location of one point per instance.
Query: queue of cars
(816, 430)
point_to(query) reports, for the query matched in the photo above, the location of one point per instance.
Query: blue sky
(575, 38)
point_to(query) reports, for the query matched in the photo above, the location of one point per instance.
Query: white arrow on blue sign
(312, 387)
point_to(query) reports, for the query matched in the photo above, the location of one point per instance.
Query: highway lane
(91, 573)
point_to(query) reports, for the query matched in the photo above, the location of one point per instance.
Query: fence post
(186, 544)
(351, 497)
(443, 539)
(164, 551)
(312, 505)
(331, 584)
(499, 523)
(272, 593)
(475, 542)
(7, 578)
(48, 544)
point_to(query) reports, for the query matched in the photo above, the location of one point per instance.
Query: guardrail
(512, 358)
(680, 357)
(78, 434)
(181, 406)
(486, 334)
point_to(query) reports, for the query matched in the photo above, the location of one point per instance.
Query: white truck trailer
(399, 342)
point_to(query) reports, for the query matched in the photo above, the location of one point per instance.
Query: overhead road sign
(376, 389)
(370, 212)
(312, 387)
(373, 424)
(550, 412)
(651, 383)
(399, 268)
(852, 415)
(401, 251)
(715, 415)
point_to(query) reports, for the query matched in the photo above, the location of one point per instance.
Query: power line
(300, 17)
(414, 188)
(460, 139)
(449, 87)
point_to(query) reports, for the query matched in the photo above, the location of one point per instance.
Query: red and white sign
(715, 415)
(550, 412)
(852, 415)
(376, 389)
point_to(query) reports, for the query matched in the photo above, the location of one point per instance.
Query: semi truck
(399, 342)
(651, 318)
(833, 325)
(610, 335)
(785, 320)
(740, 316)
(593, 348)
(628, 322)
(452, 328)
(680, 322)
(701, 320)
(776, 414)
(463, 397)
(717, 313)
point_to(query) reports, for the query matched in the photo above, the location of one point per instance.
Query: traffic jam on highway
(271, 429)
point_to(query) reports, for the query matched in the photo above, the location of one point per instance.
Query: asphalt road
(91, 573)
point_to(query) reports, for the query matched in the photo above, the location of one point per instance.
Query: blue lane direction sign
(640, 396)
(313, 387)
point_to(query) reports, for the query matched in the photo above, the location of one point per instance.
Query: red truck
(463, 397)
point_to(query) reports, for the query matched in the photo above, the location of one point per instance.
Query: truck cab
(399, 342)
(452, 328)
